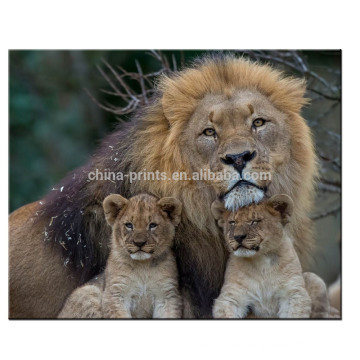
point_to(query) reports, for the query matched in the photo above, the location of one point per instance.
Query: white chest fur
(140, 295)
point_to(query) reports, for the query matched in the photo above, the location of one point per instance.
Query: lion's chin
(140, 255)
(241, 196)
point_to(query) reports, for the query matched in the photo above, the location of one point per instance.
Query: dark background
(55, 125)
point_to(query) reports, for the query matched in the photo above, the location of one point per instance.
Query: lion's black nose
(239, 160)
(139, 243)
(239, 238)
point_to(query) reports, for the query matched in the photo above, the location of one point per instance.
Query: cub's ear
(112, 205)
(172, 207)
(218, 210)
(282, 204)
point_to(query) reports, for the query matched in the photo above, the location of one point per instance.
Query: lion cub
(263, 274)
(140, 279)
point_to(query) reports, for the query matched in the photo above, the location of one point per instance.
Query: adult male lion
(223, 114)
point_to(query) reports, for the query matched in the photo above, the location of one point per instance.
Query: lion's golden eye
(258, 122)
(209, 132)
(129, 226)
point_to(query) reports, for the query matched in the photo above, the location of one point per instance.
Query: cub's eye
(232, 222)
(254, 222)
(152, 226)
(209, 132)
(258, 122)
(129, 226)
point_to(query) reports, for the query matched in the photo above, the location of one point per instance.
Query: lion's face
(254, 229)
(143, 225)
(242, 136)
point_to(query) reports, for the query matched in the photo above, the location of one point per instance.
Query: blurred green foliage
(54, 125)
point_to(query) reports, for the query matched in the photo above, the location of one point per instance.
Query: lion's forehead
(241, 103)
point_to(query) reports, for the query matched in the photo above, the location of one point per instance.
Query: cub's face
(143, 225)
(254, 229)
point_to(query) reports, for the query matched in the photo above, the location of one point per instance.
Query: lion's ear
(172, 207)
(113, 204)
(218, 210)
(283, 205)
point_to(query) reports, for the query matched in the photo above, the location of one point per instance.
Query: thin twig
(326, 96)
(326, 158)
(326, 213)
(142, 84)
(329, 188)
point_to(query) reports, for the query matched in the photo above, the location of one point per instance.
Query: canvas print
(175, 184)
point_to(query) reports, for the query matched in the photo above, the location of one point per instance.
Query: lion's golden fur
(154, 140)
(181, 94)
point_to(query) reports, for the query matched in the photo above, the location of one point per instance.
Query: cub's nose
(239, 160)
(139, 243)
(239, 238)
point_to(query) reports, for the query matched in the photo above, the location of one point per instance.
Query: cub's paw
(226, 310)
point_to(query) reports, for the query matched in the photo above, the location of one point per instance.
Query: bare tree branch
(327, 158)
(119, 81)
(293, 60)
(142, 83)
(326, 213)
(329, 188)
